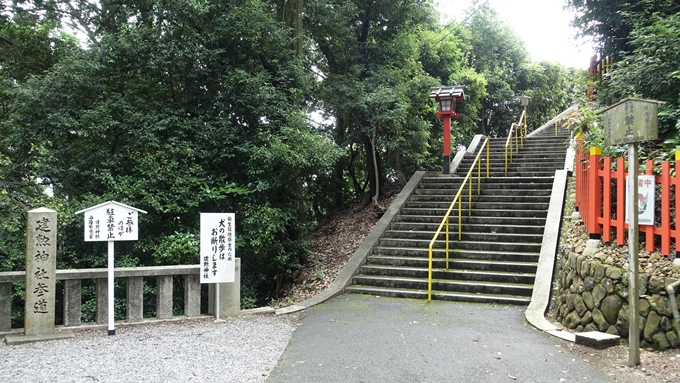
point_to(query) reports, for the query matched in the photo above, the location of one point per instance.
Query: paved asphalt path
(358, 338)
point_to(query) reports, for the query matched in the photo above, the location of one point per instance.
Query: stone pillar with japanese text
(41, 270)
(41, 277)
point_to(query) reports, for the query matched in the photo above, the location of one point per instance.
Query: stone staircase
(496, 260)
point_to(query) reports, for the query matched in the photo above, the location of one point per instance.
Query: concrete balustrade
(135, 287)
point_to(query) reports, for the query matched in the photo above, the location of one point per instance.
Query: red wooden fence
(599, 186)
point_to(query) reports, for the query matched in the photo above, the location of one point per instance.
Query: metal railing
(457, 198)
(518, 131)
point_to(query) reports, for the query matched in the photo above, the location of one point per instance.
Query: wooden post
(649, 229)
(607, 200)
(666, 208)
(633, 291)
(594, 191)
(676, 178)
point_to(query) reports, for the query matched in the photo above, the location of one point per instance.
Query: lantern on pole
(525, 103)
(448, 98)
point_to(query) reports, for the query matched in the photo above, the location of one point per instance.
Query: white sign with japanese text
(218, 247)
(111, 221)
(646, 193)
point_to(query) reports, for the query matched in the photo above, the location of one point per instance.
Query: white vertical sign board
(109, 222)
(646, 193)
(218, 247)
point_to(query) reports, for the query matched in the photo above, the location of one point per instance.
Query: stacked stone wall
(592, 296)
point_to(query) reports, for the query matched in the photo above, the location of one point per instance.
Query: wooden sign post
(111, 221)
(629, 122)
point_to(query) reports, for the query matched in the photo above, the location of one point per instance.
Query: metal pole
(447, 144)
(217, 301)
(633, 291)
(112, 330)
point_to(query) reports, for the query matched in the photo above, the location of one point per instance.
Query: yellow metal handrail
(457, 198)
(518, 134)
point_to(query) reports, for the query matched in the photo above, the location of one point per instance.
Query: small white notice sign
(111, 221)
(218, 247)
(646, 193)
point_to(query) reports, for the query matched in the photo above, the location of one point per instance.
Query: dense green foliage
(190, 106)
(644, 38)
(610, 23)
(498, 54)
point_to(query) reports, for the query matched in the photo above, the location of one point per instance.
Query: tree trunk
(290, 12)
(482, 121)
(373, 168)
(398, 167)
(339, 173)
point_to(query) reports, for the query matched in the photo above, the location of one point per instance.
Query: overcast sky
(542, 24)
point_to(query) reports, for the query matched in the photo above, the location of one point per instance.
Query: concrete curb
(570, 157)
(344, 278)
(540, 298)
(471, 149)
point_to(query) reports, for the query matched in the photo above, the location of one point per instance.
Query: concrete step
(479, 204)
(496, 259)
(438, 198)
(518, 189)
(522, 263)
(466, 235)
(491, 183)
(439, 295)
(468, 228)
(494, 256)
(482, 211)
(451, 274)
(531, 221)
(481, 287)
(530, 247)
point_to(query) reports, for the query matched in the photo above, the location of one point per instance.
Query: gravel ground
(242, 349)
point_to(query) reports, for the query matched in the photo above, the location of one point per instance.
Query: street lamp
(447, 97)
(525, 103)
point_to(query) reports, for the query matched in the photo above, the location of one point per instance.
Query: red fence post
(607, 200)
(649, 229)
(578, 170)
(594, 191)
(665, 208)
(676, 181)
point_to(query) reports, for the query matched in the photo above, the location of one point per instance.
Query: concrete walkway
(355, 338)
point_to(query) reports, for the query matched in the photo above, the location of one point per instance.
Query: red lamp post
(447, 97)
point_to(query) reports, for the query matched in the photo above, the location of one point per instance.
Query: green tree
(652, 70)
(609, 23)
(548, 84)
(498, 54)
(376, 62)
(193, 108)
(30, 46)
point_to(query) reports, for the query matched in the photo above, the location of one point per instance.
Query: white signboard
(218, 247)
(646, 190)
(111, 221)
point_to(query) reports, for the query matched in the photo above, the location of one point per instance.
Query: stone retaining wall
(592, 296)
